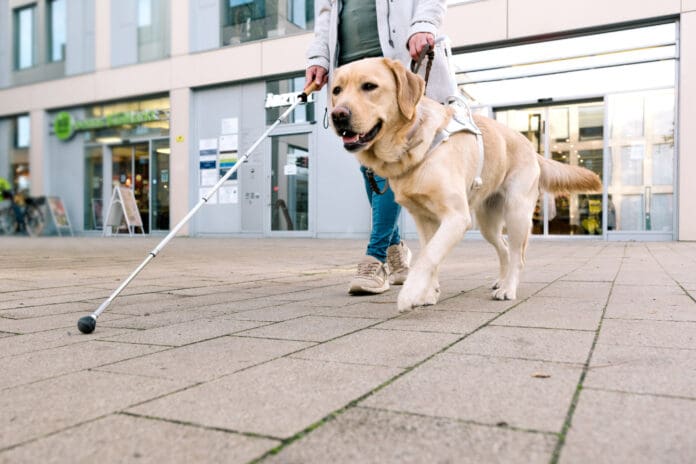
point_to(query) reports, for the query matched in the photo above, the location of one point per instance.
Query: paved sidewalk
(245, 350)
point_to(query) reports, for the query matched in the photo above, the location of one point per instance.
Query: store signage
(65, 126)
(285, 99)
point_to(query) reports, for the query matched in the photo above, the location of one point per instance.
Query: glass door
(159, 193)
(641, 163)
(130, 167)
(290, 182)
(572, 134)
(94, 188)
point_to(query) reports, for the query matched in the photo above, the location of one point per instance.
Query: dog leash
(373, 182)
(415, 65)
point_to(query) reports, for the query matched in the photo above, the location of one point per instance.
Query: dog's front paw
(409, 298)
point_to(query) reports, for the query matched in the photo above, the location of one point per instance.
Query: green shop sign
(64, 126)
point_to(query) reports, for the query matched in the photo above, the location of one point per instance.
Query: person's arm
(425, 25)
(317, 67)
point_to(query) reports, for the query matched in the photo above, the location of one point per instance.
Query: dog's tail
(563, 178)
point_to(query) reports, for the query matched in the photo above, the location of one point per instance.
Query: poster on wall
(207, 163)
(228, 193)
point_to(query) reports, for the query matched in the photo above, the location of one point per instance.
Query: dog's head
(371, 98)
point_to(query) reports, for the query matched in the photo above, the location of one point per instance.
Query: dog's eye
(368, 86)
(336, 90)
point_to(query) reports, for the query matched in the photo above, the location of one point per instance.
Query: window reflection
(56, 30)
(249, 20)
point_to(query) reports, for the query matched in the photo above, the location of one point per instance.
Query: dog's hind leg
(490, 221)
(518, 210)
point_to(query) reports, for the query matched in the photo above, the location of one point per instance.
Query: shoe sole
(368, 291)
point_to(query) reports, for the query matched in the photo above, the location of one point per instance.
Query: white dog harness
(462, 120)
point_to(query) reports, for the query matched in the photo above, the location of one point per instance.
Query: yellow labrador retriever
(379, 110)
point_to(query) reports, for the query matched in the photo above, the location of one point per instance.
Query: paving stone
(478, 299)
(555, 313)
(39, 365)
(30, 300)
(661, 371)
(48, 322)
(532, 395)
(310, 328)
(121, 438)
(649, 333)
(360, 309)
(48, 310)
(395, 348)
(651, 302)
(277, 399)
(406, 438)
(569, 346)
(32, 411)
(151, 321)
(27, 343)
(141, 303)
(431, 319)
(619, 427)
(186, 332)
(587, 291)
(273, 312)
(207, 360)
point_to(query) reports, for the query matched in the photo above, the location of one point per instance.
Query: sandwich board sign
(122, 209)
(59, 215)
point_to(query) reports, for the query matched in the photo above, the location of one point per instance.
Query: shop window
(153, 29)
(249, 20)
(22, 132)
(25, 37)
(56, 30)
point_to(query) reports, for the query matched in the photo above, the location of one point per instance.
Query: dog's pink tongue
(352, 139)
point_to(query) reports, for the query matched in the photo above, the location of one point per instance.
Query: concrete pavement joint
(198, 426)
(576, 396)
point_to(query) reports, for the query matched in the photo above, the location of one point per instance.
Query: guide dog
(379, 109)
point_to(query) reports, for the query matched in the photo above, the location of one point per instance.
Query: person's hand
(316, 74)
(417, 42)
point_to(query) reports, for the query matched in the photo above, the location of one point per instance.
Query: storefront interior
(605, 101)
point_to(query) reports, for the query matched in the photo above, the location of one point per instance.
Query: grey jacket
(397, 20)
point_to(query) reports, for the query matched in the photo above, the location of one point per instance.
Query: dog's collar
(461, 121)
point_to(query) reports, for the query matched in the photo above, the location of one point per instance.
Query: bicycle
(31, 214)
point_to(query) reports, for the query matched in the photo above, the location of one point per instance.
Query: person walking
(350, 30)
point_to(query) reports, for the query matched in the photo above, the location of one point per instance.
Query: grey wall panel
(65, 168)
(5, 43)
(124, 32)
(204, 25)
(79, 56)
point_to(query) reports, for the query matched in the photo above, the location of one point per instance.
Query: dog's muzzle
(352, 141)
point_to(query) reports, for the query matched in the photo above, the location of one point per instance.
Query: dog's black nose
(341, 117)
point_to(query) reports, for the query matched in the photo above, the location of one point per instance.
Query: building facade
(163, 97)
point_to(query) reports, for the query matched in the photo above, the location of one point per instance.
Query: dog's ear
(409, 87)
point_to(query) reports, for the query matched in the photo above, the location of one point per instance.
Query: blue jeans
(385, 219)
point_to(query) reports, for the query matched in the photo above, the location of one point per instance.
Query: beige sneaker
(370, 278)
(399, 260)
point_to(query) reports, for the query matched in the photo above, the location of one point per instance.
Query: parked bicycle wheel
(8, 220)
(33, 220)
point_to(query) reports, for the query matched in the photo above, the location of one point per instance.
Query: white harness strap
(462, 120)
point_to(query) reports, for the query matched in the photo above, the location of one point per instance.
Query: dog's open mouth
(353, 141)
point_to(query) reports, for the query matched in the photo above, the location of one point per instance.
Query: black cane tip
(87, 324)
